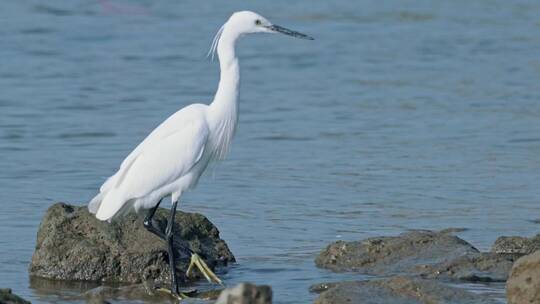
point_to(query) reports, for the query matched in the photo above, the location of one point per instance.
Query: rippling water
(416, 114)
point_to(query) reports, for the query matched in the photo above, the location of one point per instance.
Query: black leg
(149, 224)
(170, 248)
(168, 237)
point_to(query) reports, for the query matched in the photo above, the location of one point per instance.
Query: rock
(399, 290)
(7, 297)
(73, 245)
(393, 255)
(517, 245)
(246, 293)
(523, 286)
(318, 288)
(427, 253)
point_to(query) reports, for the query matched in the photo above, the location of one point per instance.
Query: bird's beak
(286, 31)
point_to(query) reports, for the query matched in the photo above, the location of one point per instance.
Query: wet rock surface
(523, 286)
(73, 245)
(397, 290)
(428, 254)
(246, 293)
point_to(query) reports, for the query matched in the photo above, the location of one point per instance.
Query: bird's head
(246, 22)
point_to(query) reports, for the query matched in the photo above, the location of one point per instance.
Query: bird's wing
(157, 164)
(166, 160)
(166, 128)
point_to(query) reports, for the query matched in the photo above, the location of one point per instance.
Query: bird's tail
(94, 204)
(107, 186)
(111, 203)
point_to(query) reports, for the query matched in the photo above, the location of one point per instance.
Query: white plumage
(169, 161)
(173, 157)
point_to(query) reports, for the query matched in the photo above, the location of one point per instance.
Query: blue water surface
(400, 115)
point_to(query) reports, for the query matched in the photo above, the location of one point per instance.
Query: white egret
(172, 158)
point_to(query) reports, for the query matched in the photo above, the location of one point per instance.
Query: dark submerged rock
(95, 292)
(139, 292)
(426, 253)
(453, 230)
(523, 286)
(7, 297)
(398, 290)
(246, 293)
(73, 245)
(475, 267)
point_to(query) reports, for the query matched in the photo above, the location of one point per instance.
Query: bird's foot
(203, 268)
(177, 295)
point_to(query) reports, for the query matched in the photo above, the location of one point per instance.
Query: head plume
(215, 42)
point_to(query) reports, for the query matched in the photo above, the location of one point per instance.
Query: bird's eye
(258, 22)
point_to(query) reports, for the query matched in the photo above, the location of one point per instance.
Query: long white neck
(223, 111)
